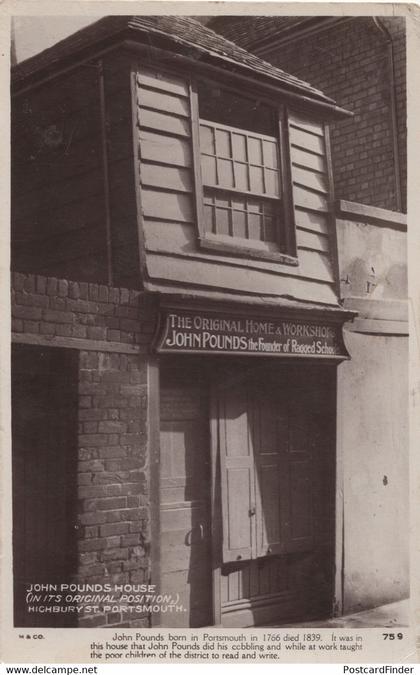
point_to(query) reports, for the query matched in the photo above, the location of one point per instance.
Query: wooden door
(186, 570)
(44, 446)
(275, 543)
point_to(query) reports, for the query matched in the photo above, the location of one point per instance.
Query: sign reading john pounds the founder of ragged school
(185, 331)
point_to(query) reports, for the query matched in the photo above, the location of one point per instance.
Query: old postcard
(210, 418)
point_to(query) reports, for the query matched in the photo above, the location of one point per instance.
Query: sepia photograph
(209, 379)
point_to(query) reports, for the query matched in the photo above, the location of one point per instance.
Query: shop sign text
(189, 332)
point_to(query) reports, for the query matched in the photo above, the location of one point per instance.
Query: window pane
(256, 179)
(222, 221)
(238, 202)
(269, 209)
(208, 197)
(241, 176)
(207, 140)
(239, 224)
(272, 186)
(225, 172)
(223, 148)
(270, 154)
(226, 107)
(222, 201)
(254, 150)
(208, 169)
(239, 147)
(254, 226)
(241, 216)
(270, 233)
(254, 205)
(209, 218)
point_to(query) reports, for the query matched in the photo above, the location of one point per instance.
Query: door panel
(184, 498)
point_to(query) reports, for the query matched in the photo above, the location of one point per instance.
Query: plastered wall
(372, 392)
(372, 440)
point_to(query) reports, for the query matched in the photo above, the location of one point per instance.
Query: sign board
(185, 331)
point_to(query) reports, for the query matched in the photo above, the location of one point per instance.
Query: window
(244, 200)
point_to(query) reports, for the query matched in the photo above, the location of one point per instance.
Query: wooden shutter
(295, 473)
(265, 441)
(283, 467)
(237, 474)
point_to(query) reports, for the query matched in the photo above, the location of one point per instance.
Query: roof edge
(298, 99)
(113, 31)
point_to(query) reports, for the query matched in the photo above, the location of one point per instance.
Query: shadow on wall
(44, 446)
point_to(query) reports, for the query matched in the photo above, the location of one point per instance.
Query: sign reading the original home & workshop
(185, 331)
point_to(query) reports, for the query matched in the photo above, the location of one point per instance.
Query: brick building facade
(361, 62)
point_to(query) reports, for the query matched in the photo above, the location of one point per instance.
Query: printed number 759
(392, 636)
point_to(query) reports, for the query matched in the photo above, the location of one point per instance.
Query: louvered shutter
(265, 441)
(237, 474)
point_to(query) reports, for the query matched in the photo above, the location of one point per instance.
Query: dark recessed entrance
(44, 443)
(247, 491)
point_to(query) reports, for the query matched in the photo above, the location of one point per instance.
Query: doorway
(186, 566)
(44, 457)
(248, 491)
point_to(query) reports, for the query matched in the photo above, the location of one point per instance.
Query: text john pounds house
(195, 406)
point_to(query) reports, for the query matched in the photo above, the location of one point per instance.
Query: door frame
(215, 524)
(156, 367)
(154, 370)
(153, 430)
(336, 557)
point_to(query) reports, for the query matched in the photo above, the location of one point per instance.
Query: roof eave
(129, 35)
(65, 61)
(273, 88)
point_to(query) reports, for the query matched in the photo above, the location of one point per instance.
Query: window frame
(247, 248)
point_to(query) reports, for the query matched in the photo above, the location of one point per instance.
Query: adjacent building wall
(372, 390)
(349, 61)
(372, 440)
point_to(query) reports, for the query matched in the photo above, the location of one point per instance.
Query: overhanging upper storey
(166, 156)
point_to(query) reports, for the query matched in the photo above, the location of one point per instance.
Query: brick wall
(103, 324)
(112, 473)
(51, 307)
(349, 62)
